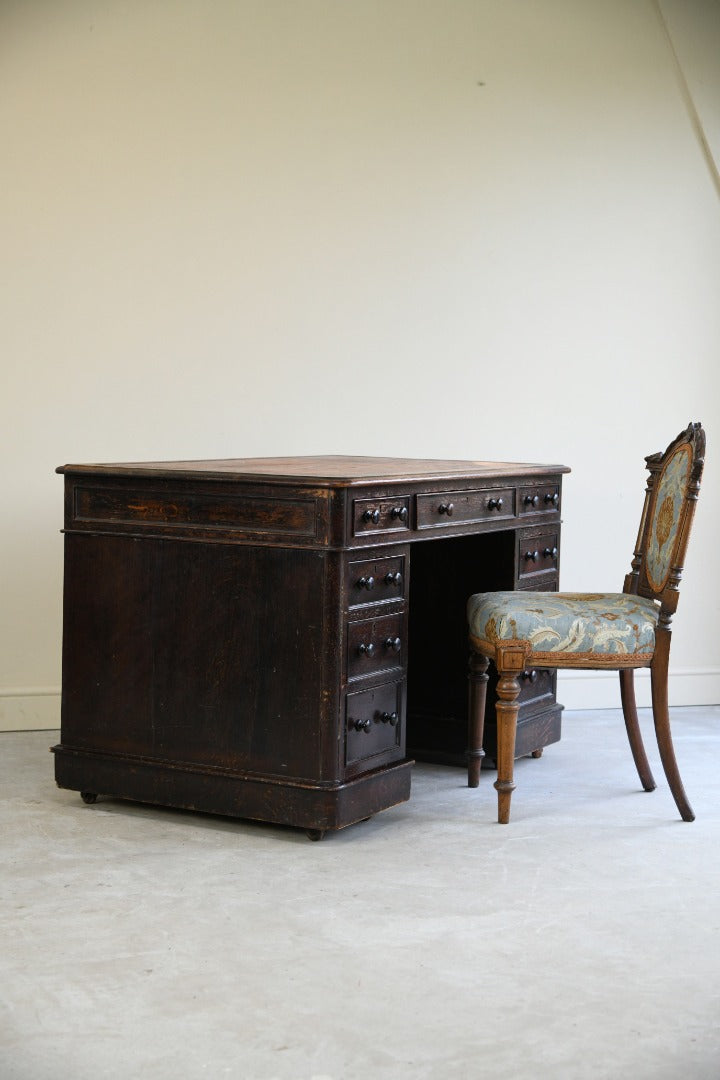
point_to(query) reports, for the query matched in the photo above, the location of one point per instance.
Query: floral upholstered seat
(608, 631)
(567, 627)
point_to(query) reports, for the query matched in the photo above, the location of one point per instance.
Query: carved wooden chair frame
(511, 657)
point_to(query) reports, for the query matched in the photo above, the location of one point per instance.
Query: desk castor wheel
(537, 753)
(88, 797)
(315, 834)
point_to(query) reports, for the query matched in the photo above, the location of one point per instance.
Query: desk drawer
(539, 498)
(374, 723)
(376, 581)
(381, 515)
(375, 645)
(535, 684)
(537, 554)
(446, 508)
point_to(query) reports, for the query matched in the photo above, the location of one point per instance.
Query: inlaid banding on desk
(195, 510)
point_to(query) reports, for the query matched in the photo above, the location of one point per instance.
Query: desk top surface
(324, 469)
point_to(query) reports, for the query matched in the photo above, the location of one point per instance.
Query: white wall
(477, 228)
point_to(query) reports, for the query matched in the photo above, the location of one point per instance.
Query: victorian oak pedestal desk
(277, 638)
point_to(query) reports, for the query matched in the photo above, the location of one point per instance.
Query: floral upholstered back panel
(671, 488)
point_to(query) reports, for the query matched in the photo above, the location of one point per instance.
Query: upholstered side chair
(608, 631)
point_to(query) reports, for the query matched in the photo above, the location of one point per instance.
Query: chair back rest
(670, 499)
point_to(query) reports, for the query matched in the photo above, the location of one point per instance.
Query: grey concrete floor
(581, 941)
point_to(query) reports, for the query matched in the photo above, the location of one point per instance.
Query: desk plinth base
(217, 791)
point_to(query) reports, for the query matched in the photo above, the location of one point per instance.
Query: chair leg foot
(474, 770)
(504, 791)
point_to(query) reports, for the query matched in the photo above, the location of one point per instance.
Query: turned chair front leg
(510, 662)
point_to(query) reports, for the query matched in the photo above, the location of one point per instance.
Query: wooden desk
(272, 638)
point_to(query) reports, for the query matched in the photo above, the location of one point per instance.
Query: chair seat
(576, 626)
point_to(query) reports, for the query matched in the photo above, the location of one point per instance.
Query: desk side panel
(205, 654)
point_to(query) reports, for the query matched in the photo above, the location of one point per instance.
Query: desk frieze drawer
(374, 723)
(539, 498)
(447, 508)
(383, 514)
(375, 645)
(376, 581)
(537, 554)
(177, 511)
